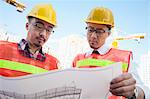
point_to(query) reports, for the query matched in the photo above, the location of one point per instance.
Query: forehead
(96, 25)
(34, 20)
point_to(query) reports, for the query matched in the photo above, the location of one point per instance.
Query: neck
(95, 49)
(33, 48)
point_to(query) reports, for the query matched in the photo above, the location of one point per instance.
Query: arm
(125, 85)
(139, 83)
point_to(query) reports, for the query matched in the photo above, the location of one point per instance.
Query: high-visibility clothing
(116, 97)
(13, 64)
(97, 60)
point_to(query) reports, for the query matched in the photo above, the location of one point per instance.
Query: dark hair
(30, 18)
(109, 27)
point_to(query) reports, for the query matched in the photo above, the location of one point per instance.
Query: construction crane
(135, 37)
(19, 6)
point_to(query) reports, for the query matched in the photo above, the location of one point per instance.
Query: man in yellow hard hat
(128, 85)
(27, 56)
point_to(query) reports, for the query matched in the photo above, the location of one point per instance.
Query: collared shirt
(102, 50)
(24, 49)
(133, 69)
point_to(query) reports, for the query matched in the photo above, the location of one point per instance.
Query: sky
(131, 17)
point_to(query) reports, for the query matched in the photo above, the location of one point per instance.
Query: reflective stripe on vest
(21, 67)
(98, 62)
(14, 64)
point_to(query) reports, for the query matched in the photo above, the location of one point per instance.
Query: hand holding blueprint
(81, 83)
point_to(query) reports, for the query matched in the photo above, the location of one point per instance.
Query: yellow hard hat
(44, 12)
(101, 15)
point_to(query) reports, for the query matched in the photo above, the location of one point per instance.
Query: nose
(93, 34)
(43, 33)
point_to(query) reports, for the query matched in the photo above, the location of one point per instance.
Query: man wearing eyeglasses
(128, 85)
(27, 56)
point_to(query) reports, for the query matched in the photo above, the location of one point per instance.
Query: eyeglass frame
(95, 31)
(42, 28)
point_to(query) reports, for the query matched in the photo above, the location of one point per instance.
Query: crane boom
(135, 37)
(20, 6)
(139, 36)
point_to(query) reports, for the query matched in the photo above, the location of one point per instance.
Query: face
(97, 34)
(38, 32)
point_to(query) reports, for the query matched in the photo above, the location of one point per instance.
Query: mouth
(41, 39)
(92, 42)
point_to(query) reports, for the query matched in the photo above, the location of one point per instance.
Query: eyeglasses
(98, 31)
(40, 27)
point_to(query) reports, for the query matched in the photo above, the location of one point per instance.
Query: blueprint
(73, 83)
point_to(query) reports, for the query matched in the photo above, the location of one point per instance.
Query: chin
(38, 45)
(94, 47)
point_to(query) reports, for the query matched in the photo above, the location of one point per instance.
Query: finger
(123, 90)
(127, 82)
(121, 78)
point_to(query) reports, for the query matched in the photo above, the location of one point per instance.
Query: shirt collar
(23, 44)
(102, 50)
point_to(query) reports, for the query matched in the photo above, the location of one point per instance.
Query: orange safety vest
(13, 64)
(112, 56)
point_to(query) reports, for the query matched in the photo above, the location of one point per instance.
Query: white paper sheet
(83, 83)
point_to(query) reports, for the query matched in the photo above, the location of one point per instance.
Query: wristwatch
(135, 95)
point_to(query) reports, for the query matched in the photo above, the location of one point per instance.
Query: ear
(27, 26)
